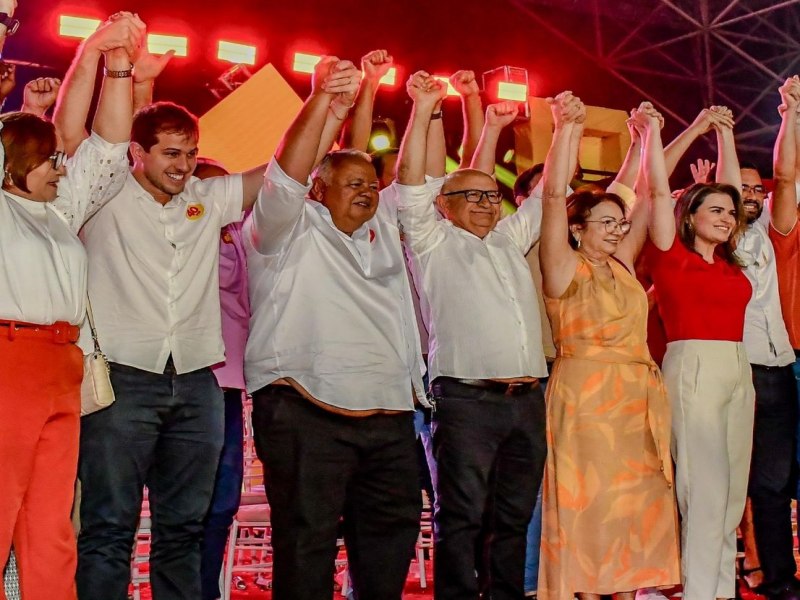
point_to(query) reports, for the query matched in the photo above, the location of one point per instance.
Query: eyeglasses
(58, 159)
(476, 196)
(612, 225)
(756, 189)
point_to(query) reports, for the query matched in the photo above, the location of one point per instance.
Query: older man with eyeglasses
(485, 357)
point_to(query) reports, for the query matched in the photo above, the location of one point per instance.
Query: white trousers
(710, 389)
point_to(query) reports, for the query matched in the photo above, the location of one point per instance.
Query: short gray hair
(332, 160)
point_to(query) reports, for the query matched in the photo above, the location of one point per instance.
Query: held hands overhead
(425, 90)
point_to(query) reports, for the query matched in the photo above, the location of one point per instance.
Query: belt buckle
(60, 334)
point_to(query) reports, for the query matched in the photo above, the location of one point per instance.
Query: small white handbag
(96, 390)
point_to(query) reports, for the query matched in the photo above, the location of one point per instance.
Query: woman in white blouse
(44, 202)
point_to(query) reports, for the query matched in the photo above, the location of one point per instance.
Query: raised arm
(631, 245)
(656, 180)
(498, 116)
(146, 69)
(8, 7)
(727, 159)
(701, 172)
(297, 150)
(39, 95)
(784, 197)
(466, 85)
(75, 95)
(557, 259)
(426, 92)
(630, 165)
(436, 155)
(374, 65)
(678, 147)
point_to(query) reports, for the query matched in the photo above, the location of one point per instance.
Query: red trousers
(40, 378)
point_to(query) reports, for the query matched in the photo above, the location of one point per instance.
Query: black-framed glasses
(58, 159)
(475, 196)
(612, 225)
(756, 189)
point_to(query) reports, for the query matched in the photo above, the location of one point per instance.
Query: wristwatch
(11, 23)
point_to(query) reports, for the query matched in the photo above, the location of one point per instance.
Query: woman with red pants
(45, 200)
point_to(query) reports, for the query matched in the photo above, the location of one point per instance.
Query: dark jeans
(320, 468)
(770, 487)
(490, 450)
(227, 494)
(164, 431)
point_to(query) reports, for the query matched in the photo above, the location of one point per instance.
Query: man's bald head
(466, 179)
(478, 218)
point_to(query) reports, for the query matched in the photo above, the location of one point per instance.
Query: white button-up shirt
(42, 261)
(330, 311)
(153, 273)
(766, 340)
(476, 295)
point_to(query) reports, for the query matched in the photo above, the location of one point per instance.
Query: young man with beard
(153, 283)
(769, 351)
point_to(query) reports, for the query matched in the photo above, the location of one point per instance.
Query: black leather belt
(499, 387)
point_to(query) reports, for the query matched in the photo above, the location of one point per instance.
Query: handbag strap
(91, 324)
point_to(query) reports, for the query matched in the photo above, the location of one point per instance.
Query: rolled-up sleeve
(95, 174)
(421, 230)
(278, 210)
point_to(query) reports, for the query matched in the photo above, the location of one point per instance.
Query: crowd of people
(605, 381)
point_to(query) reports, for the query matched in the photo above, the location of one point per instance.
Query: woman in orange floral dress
(609, 515)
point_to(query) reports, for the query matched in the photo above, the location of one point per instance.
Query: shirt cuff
(278, 176)
(414, 195)
(100, 144)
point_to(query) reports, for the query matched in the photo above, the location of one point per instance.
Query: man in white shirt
(480, 308)
(153, 282)
(333, 362)
(771, 356)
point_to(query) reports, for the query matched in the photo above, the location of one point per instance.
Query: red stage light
(240, 54)
(77, 27)
(158, 43)
(508, 83)
(517, 92)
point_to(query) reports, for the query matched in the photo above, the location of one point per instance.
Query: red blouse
(698, 300)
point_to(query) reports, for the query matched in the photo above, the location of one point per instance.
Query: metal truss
(684, 54)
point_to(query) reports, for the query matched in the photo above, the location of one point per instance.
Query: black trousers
(770, 488)
(320, 468)
(490, 449)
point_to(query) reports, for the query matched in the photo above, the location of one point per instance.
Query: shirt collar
(139, 192)
(359, 234)
(31, 206)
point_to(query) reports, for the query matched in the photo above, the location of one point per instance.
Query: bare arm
(466, 85)
(784, 198)
(436, 155)
(297, 151)
(374, 65)
(656, 184)
(630, 166)
(75, 95)
(557, 259)
(633, 242)
(727, 159)
(426, 92)
(8, 7)
(678, 147)
(498, 116)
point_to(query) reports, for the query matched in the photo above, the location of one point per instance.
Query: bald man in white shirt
(333, 361)
(485, 358)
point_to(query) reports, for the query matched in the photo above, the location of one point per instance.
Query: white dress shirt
(42, 261)
(766, 340)
(153, 273)
(330, 311)
(477, 296)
